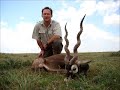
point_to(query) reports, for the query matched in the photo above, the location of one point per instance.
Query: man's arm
(57, 33)
(36, 36)
(42, 47)
(53, 38)
(40, 44)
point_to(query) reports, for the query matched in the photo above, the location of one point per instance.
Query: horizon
(65, 52)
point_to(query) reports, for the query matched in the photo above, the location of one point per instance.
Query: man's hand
(43, 50)
(41, 53)
(45, 46)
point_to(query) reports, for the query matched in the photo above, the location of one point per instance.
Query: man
(48, 34)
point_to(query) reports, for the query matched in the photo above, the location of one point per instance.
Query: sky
(101, 30)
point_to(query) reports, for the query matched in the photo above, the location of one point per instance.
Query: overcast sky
(101, 24)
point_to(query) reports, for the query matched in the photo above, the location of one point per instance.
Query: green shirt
(43, 33)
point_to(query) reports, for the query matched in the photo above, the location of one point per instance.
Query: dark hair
(47, 8)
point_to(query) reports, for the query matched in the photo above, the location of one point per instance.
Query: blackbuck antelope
(74, 65)
(64, 63)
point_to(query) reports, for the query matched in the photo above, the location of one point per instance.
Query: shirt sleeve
(57, 30)
(35, 34)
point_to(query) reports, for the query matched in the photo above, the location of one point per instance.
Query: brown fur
(52, 63)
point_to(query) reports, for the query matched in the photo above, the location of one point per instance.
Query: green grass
(16, 73)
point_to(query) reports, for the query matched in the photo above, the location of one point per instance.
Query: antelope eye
(74, 68)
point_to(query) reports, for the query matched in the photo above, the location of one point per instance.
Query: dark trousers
(54, 48)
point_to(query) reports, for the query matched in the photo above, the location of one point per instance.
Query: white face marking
(74, 68)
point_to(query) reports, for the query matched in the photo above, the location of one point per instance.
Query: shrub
(115, 54)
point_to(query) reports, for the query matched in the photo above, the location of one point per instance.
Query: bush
(115, 54)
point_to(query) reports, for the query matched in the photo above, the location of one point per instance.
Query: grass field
(16, 73)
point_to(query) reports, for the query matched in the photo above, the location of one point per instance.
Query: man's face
(46, 15)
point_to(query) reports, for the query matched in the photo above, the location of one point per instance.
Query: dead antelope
(64, 63)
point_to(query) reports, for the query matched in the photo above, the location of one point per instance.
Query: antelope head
(73, 65)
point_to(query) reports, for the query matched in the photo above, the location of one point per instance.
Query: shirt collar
(42, 23)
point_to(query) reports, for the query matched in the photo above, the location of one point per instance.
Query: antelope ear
(83, 62)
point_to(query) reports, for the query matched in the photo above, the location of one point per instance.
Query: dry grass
(16, 74)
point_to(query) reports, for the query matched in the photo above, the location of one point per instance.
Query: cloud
(22, 18)
(18, 39)
(3, 24)
(112, 19)
(94, 39)
(88, 7)
(108, 7)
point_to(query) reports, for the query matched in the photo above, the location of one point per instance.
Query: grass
(16, 73)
